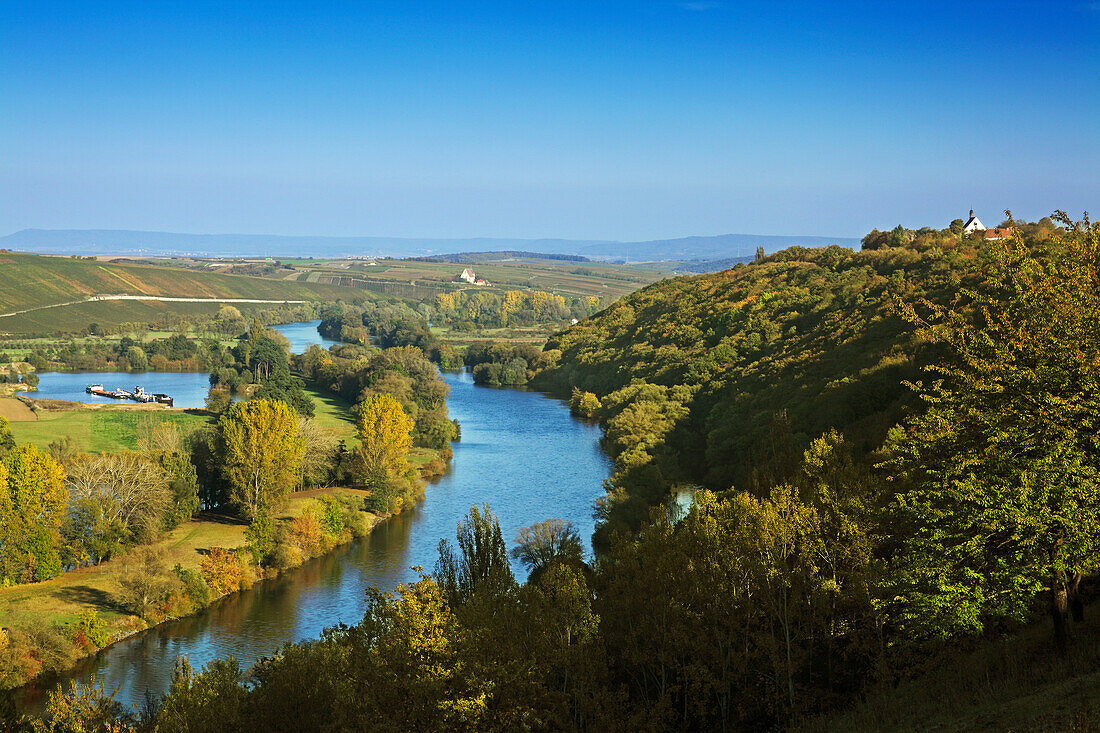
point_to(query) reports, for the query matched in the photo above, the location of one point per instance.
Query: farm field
(29, 282)
(555, 276)
(93, 429)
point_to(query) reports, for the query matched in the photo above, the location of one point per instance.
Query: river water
(304, 334)
(521, 452)
(188, 389)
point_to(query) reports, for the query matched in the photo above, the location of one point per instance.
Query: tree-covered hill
(725, 378)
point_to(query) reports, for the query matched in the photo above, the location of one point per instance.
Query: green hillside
(52, 291)
(744, 367)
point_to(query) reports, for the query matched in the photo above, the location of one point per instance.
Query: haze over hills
(129, 242)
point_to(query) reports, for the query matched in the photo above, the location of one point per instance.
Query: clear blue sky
(580, 119)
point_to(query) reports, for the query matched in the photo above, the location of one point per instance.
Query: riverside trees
(261, 454)
(32, 507)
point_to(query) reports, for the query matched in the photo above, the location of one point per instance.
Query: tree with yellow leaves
(261, 454)
(32, 507)
(384, 432)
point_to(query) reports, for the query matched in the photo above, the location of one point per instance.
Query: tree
(874, 239)
(7, 440)
(319, 445)
(583, 404)
(168, 448)
(384, 432)
(260, 454)
(131, 489)
(35, 511)
(761, 255)
(999, 480)
(546, 543)
(898, 237)
(483, 565)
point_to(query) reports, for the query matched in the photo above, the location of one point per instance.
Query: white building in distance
(973, 224)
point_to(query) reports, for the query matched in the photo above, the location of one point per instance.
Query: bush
(91, 631)
(193, 585)
(584, 404)
(332, 516)
(286, 556)
(222, 571)
(30, 647)
(260, 537)
(146, 584)
(307, 534)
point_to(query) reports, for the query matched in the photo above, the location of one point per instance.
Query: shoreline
(128, 626)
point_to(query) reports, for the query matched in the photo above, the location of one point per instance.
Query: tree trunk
(1059, 606)
(1076, 600)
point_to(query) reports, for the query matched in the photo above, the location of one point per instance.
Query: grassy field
(333, 412)
(94, 428)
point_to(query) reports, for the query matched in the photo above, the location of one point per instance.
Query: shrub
(260, 537)
(193, 585)
(222, 571)
(584, 404)
(285, 556)
(32, 646)
(91, 631)
(332, 515)
(146, 584)
(306, 533)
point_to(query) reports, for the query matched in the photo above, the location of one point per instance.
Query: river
(304, 334)
(521, 452)
(188, 389)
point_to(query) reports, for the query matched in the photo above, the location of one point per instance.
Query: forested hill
(745, 367)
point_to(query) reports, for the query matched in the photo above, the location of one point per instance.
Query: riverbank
(55, 612)
(112, 427)
(494, 463)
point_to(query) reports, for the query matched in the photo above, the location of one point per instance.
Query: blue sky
(617, 120)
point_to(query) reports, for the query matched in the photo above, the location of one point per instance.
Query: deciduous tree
(36, 490)
(384, 432)
(999, 479)
(261, 454)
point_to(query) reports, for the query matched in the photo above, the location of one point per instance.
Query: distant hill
(45, 294)
(127, 242)
(712, 265)
(467, 257)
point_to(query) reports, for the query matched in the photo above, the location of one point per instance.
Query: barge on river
(138, 395)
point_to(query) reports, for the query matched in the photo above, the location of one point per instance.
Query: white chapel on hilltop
(973, 224)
